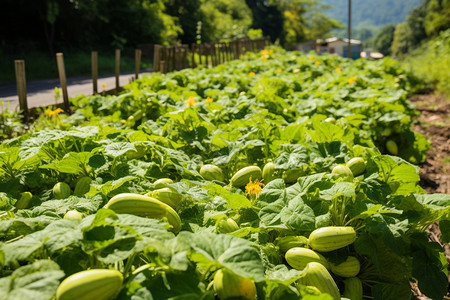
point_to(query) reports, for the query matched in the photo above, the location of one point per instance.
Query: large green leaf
(38, 280)
(236, 254)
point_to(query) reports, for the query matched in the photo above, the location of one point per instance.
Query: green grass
(40, 65)
(431, 63)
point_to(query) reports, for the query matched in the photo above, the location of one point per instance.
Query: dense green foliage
(383, 40)
(431, 62)
(305, 113)
(424, 22)
(38, 29)
(48, 25)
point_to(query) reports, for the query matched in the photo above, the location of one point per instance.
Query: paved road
(41, 92)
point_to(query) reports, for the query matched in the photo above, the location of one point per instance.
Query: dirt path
(434, 123)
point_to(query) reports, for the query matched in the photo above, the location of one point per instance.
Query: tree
(383, 40)
(188, 14)
(437, 18)
(402, 41)
(266, 16)
(224, 20)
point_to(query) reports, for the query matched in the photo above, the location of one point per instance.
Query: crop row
(277, 176)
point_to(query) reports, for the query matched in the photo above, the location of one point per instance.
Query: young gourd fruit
(353, 288)
(326, 239)
(144, 206)
(230, 285)
(95, 284)
(227, 225)
(162, 183)
(61, 190)
(392, 147)
(211, 172)
(299, 257)
(349, 268)
(291, 176)
(73, 215)
(344, 172)
(24, 201)
(168, 195)
(242, 177)
(287, 242)
(83, 186)
(357, 165)
(268, 172)
(315, 274)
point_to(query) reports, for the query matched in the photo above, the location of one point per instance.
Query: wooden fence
(165, 59)
(171, 58)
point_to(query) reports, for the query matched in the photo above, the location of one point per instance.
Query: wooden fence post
(185, 57)
(63, 81)
(138, 55)
(221, 59)
(206, 51)
(156, 57)
(193, 51)
(166, 59)
(117, 70)
(173, 58)
(21, 87)
(177, 52)
(94, 61)
(214, 54)
(162, 66)
(238, 49)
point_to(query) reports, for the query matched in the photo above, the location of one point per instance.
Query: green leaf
(61, 234)
(18, 226)
(236, 254)
(22, 249)
(444, 226)
(71, 163)
(292, 157)
(235, 201)
(118, 149)
(182, 286)
(38, 280)
(429, 268)
(391, 291)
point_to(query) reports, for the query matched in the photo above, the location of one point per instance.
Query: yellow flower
(254, 188)
(50, 112)
(338, 70)
(278, 70)
(251, 74)
(190, 101)
(264, 53)
(310, 57)
(351, 80)
(270, 50)
(317, 63)
(209, 99)
(265, 58)
(104, 84)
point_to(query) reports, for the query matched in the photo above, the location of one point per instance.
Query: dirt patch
(434, 124)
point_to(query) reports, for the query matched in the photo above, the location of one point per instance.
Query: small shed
(339, 46)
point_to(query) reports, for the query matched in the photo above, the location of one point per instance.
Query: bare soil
(434, 123)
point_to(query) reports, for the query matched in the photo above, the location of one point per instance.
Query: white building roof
(335, 39)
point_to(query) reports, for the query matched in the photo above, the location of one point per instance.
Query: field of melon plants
(277, 176)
